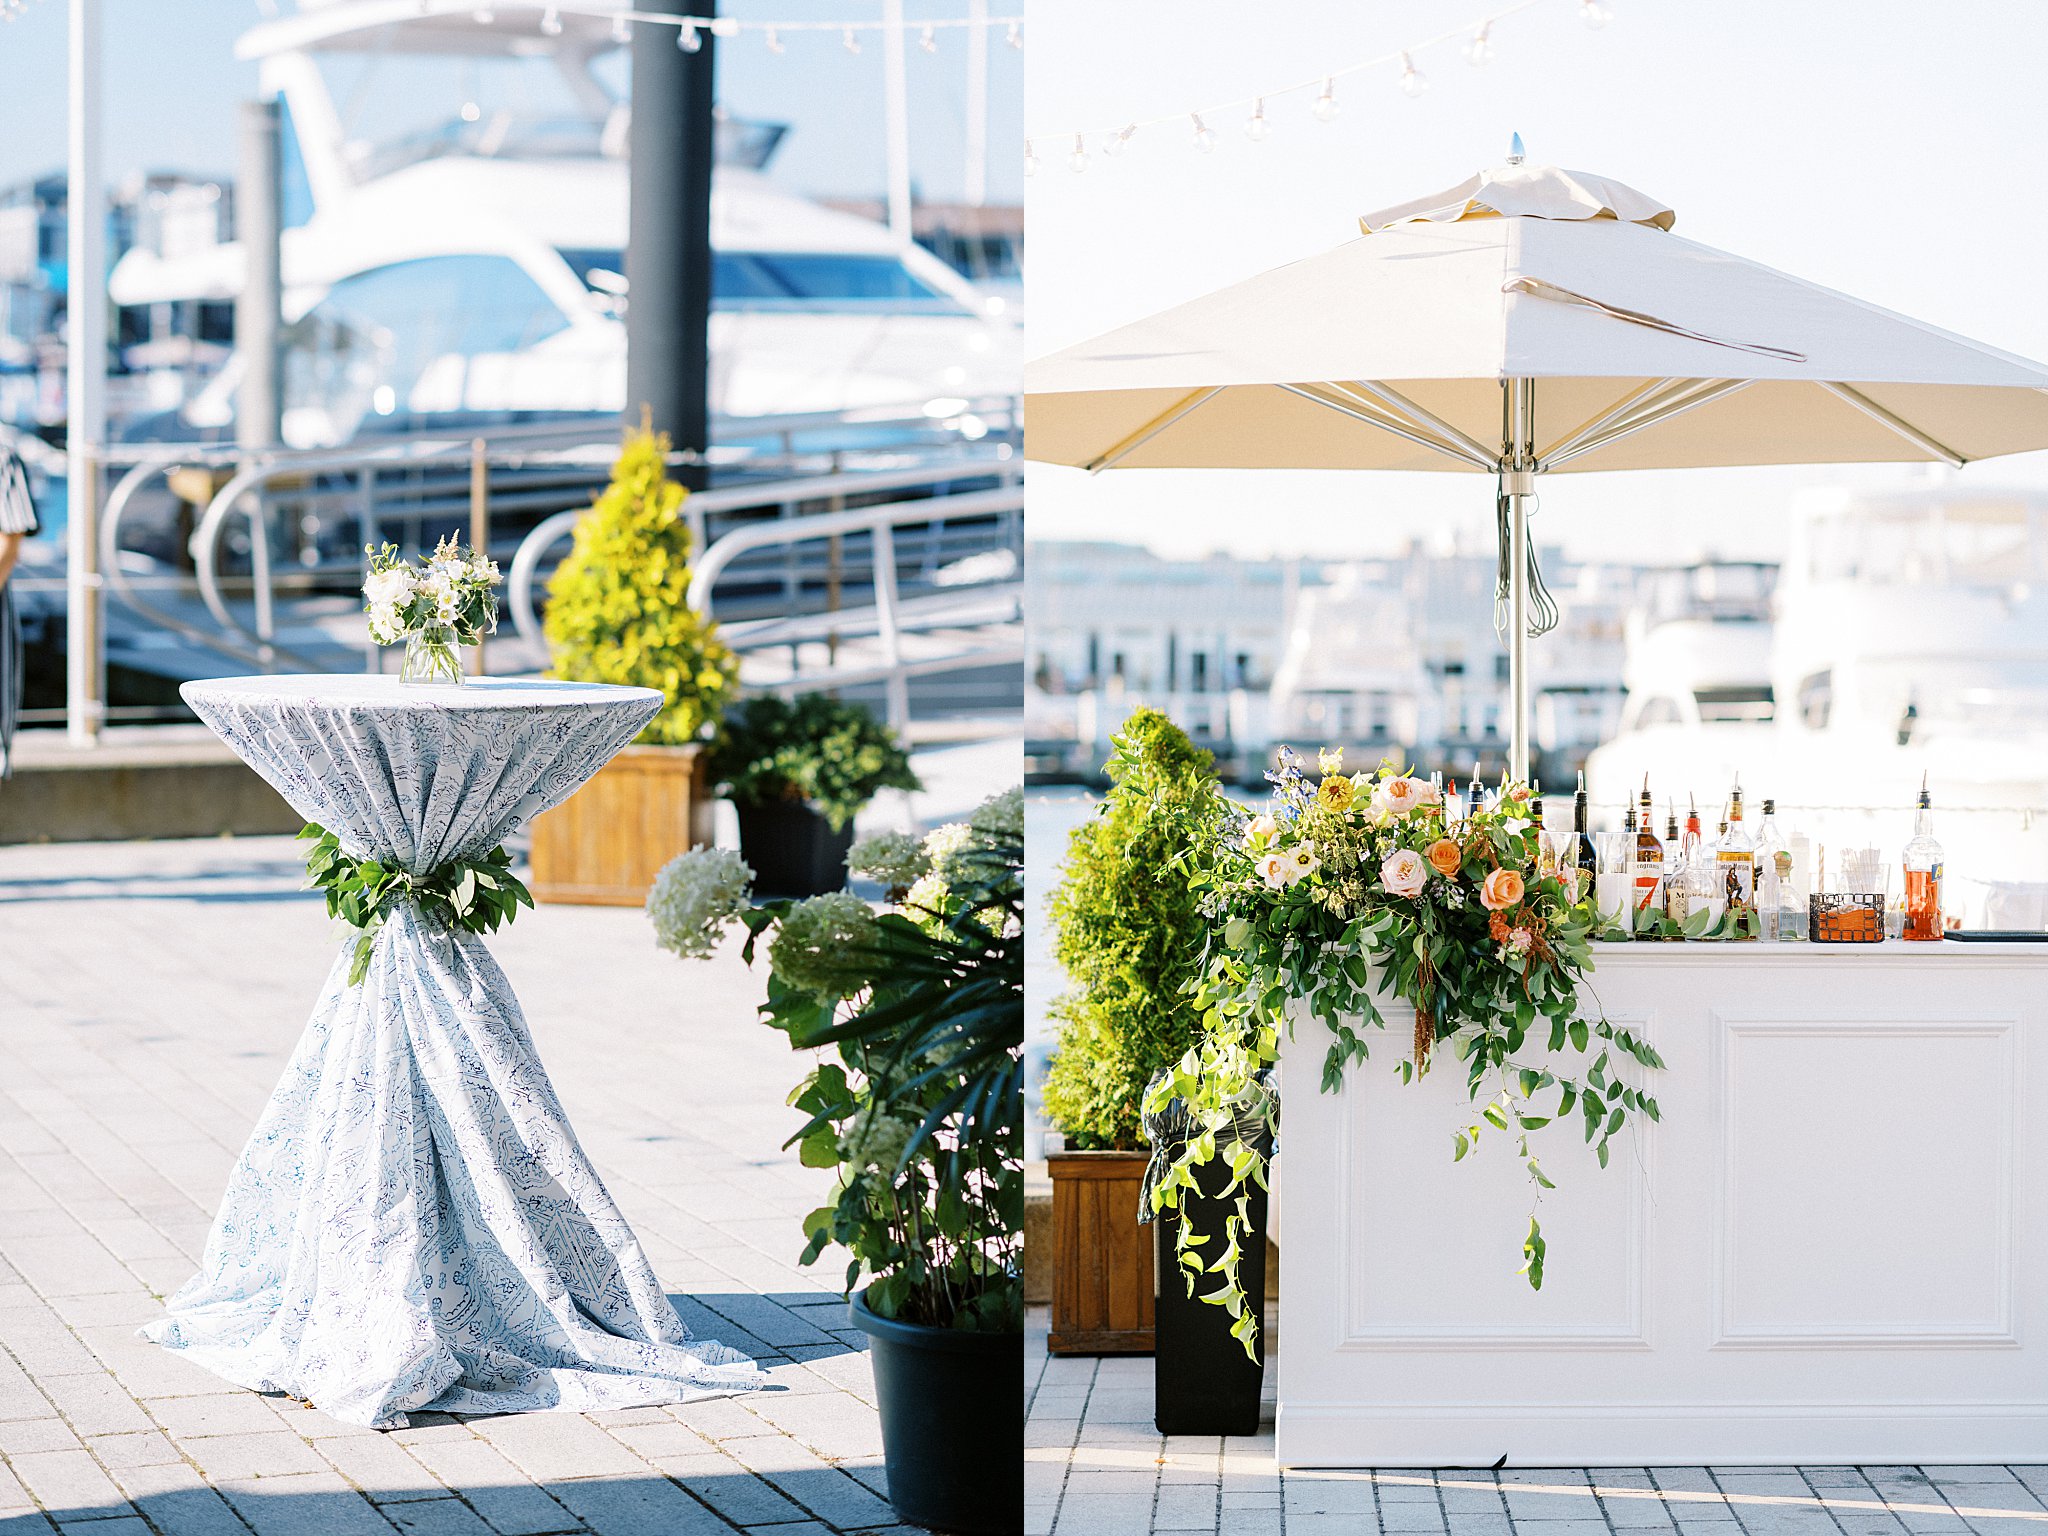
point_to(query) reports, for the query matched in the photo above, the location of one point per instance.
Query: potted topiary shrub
(917, 1014)
(798, 771)
(618, 613)
(1129, 935)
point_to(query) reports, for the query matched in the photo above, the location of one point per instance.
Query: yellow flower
(1335, 792)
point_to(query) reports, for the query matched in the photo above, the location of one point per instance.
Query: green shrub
(617, 609)
(830, 753)
(1129, 934)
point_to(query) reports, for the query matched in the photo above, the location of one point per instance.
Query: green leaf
(1578, 1034)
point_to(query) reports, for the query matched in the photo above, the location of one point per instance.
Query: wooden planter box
(1102, 1259)
(604, 845)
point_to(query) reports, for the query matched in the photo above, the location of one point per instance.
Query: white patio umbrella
(1529, 321)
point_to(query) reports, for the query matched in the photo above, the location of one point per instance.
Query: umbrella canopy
(1639, 350)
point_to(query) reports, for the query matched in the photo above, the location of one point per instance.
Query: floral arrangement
(916, 1014)
(432, 609)
(1349, 890)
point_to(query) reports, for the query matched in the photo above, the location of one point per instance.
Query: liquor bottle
(1769, 897)
(1923, 874)
(1546, 853)
(1583, 852)
(1454, 805)
(1648, 864)
(1792, 909)
(1677, 892)
(1737, 859)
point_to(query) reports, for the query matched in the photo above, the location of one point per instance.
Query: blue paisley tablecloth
(413, 1224)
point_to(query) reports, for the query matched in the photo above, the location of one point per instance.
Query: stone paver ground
(149, 996)
(1096, 1467)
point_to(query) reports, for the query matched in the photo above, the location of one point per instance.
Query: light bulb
(725, 26)
(485, 16)
(1480, 49)
(622, 30)
(687, 38)
(1594, 14)
(1325, 108)
(848, 41)
(1015, 36)
(1204, 139)
(1413, 80)
(1114, 143)
(774, 41)
(928, 40)
(1256, 128)
(471, 112)
(1030, 159)
(1078, 162)
(551, 22)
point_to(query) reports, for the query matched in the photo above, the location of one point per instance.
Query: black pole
(668, 249)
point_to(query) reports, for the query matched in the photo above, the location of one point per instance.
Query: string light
(1473, 39)
(621, 16)
(622, 30)
(1030, 159)
(848, 41)
(928, 40)
(1204, 139)
(774, 41)
(1014, 37)
(1594, 14)
(687, 37)
(551, 22)
(1256, 127)
(1078, 161)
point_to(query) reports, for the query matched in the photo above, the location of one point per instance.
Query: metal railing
(966, 603)
(402, 487)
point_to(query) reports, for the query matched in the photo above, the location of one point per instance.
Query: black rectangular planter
(1203, 1383)
(791, 849)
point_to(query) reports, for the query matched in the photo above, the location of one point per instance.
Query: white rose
(1403, 873)
(387, 588)
(1273, 869)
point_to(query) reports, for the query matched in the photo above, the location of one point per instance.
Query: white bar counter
(1833, 1249)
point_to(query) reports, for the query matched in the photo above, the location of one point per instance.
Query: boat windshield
(1930, 547)
(806, 281)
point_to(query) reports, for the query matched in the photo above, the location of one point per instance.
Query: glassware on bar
(1922, 860)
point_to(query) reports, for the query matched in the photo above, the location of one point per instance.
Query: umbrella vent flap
(1528, 191)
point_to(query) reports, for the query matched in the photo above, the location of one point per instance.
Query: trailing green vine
(1353, 890)
(472, 894)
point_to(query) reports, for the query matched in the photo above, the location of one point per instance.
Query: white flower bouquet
(433, 609)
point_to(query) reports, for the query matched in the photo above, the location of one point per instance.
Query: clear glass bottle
(1922, 859)
(1677, 889)
(1737, 860)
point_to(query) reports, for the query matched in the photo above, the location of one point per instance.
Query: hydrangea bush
(915, 1018)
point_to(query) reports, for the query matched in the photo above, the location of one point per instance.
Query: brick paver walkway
(149, 995)
(1097, 1467)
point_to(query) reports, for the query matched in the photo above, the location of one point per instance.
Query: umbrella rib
(1372, 417)
(1663, 409)
(1402, 404)
(1886, 419)
(1152, 429)
(1614, 413)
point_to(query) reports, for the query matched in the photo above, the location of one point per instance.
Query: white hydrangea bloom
(694, 897)
(896, 859)
(1000, 816)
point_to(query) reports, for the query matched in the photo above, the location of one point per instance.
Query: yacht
(456, 209)
(1906, 633)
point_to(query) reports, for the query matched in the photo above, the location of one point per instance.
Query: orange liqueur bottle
(1923, 874)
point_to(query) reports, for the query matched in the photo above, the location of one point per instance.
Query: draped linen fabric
(413, 1224)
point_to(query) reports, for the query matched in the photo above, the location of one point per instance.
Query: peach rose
(1403, 873)
(1402, 795)
(1446, 855)
(1263, 831)
(1426, 792)
(1503, 889)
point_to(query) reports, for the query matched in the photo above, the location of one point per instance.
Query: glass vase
(432, 655)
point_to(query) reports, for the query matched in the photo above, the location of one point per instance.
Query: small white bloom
(388, 588)
(1273, 868)
(1302, 862)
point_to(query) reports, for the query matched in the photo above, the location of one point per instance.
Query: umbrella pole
(1519, 480)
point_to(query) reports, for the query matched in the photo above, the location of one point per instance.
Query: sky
(1887, 148)
(172, 82)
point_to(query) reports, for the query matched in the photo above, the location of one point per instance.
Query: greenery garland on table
(473, 894)
(1354, 887)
